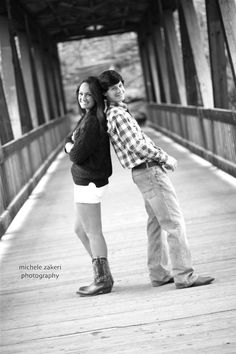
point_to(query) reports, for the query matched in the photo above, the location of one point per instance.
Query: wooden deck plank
(185, 332)
(46, 316)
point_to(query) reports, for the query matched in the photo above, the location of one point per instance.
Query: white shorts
(89, 194)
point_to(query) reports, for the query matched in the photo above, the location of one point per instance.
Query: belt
(146, 164)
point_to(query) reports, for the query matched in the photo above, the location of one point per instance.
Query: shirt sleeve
(68, 140)
(86, 141)
(135, 140)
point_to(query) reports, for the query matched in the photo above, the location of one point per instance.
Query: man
(149, 164)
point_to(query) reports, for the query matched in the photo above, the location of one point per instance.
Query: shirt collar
(114, 104)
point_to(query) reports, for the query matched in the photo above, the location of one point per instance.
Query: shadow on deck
(46, 316)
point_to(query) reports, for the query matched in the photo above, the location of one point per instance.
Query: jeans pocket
(158, 174)
(143, 180)
(137, 175)
(158, 171)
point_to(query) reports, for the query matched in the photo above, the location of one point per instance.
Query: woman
(89, 150)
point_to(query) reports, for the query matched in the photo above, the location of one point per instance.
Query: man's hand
(68, 147)
(171, 163)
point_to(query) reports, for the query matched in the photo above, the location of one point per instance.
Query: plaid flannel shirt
(131, 145)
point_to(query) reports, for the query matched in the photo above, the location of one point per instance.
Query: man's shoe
(200, 281)
(156, 283)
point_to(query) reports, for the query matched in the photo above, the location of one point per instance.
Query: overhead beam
(18, 16)
(57, 17)
(99, 33)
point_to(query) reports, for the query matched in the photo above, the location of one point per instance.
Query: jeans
(167, 242)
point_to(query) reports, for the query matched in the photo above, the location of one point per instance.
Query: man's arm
(134, 139)
(170, 164)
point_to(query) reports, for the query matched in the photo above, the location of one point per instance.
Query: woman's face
(85, 98)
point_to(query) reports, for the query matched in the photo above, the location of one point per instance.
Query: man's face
(116, 93)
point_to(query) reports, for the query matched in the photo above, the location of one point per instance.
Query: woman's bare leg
(80, 231)
(90, 218)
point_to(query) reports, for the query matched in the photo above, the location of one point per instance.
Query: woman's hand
(68, 147)
(73, 135)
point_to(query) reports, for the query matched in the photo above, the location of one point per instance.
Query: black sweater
(91, 152)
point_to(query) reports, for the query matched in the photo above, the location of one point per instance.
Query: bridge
(191, 114)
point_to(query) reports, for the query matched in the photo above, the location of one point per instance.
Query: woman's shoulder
(91, 121)
(89, 115)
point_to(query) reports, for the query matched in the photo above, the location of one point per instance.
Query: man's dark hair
(109, 78)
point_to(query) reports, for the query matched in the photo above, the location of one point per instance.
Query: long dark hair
(99, 106)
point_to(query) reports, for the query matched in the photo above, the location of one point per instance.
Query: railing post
(197, 48)
(8, 78)
(217, 55)
(175, 57)
(6, 133)
(228, 14)
(25, 117)
(193, 91)
(1, 155)
(37, 93)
